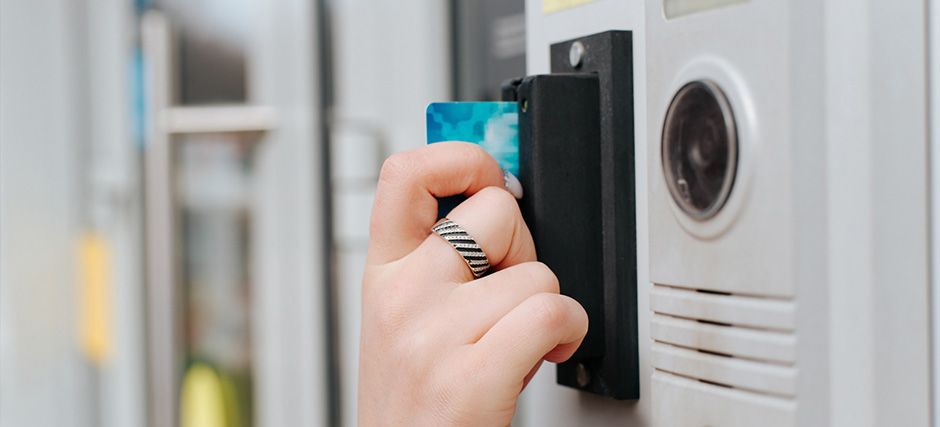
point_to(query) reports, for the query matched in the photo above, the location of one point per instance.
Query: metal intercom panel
(781, 211)
(722, 216)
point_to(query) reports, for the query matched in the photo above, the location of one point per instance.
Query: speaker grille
(733, 341)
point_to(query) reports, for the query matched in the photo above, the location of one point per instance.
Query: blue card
(492, 125)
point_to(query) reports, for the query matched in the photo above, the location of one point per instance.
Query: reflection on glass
(213, 177)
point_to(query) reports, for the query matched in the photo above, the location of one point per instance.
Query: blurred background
(185, 188)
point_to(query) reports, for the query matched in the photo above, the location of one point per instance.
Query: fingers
(485, 301)
(492, 218)
(548, 326)
(405, 207)
(531, 374)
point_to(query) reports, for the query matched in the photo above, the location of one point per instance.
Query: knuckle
(397, 167)
(543, 277)
(499, 197)
(420, 340)
(477, 154)
(548, 311)
(499, 201)
(478, 159)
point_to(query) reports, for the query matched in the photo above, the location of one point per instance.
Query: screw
(576, 54)
(582, 375)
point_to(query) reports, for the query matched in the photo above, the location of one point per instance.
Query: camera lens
(700, 149)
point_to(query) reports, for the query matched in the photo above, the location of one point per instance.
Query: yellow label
(94, 297)
(549, 6)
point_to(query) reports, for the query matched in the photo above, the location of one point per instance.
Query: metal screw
(576, 54)
(582, 375)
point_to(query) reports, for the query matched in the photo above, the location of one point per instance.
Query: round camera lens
(700, 149)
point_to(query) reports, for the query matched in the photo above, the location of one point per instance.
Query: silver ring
(468, 248)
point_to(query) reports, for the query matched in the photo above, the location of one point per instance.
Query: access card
(492, 125)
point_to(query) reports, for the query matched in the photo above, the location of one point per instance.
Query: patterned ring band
(464, 244)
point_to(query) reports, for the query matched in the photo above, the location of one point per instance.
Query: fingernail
(512, 184)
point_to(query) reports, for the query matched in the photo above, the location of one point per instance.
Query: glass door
(235, 276)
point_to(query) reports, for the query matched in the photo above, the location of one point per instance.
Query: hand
(438, 347)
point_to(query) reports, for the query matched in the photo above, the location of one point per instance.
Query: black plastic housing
(576, 147)
(559, 157)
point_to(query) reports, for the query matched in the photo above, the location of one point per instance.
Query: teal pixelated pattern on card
(492, 125)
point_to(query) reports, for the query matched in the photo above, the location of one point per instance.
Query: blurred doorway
(236, 267)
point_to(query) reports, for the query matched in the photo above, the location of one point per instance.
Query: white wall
(68, 163)
(45, 382)
(876, 119)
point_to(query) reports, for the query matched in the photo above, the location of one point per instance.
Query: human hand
(438, 347)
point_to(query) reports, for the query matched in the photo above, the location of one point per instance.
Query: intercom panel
(780, 236)
(721, 213)
(719, 154)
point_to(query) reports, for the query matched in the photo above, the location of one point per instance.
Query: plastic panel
(729, 371)
(731, 309)
(685, 402)
(739, 342)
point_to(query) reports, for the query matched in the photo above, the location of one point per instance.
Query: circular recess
(700, 149)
